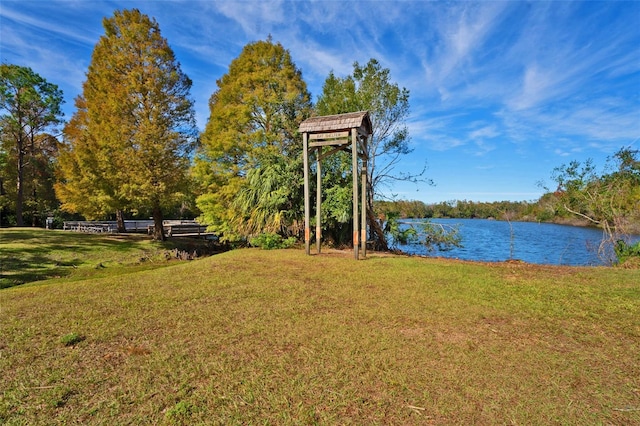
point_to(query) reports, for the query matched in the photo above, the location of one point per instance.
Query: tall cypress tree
(136, 126)
(250, 144)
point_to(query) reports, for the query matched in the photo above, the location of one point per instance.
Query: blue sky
(500, 92)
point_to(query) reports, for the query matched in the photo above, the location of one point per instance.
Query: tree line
(132, 149)
(463, 209)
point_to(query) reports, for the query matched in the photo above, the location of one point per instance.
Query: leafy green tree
(337, 212)
(130, 141)
(85, 172)
(270, 200)
(370, 88)
(3, 197)
(250, 143)
(30, 106)
(39, 196)
(337, 202)
(610, 200)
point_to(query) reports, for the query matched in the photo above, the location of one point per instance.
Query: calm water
(542, 243)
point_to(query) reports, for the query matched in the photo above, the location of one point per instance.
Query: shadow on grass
(28, 255)
(32, 265)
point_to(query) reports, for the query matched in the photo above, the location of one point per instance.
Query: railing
(90, 226)
(171, 227)
(106, 225)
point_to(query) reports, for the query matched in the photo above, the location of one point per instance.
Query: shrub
(625, 251)
(435, 236)
(399, 235)
(272, 241)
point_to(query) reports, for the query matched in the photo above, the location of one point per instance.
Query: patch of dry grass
(277, 337)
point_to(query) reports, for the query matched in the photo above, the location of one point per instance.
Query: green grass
(32, 254)
(277, 337)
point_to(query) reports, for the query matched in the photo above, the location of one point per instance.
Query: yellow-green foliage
(129, 142)
(255, 115)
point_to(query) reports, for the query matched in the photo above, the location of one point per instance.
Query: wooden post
(364, 206)
(365, 190)
(354, 161)
(307, 213)
(318, 198)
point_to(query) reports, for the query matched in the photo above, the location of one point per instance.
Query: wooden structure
(172, 228)
(343, 132)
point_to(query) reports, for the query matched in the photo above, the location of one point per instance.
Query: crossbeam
(330, 143)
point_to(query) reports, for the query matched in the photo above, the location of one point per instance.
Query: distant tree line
(463, 209)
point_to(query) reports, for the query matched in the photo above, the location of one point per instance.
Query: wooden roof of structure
(335, 123)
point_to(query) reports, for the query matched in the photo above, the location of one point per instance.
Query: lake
(533, 242)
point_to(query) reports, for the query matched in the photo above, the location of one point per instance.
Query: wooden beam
(318, 199)
(330, 142)
(354, 162)
(362, 143)
(307, 221)
(364, 206)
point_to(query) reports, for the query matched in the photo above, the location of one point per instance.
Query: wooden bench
(183, 229)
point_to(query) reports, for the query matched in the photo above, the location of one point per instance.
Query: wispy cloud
(43, 24)
(255, 18)
(484, 132)
(433, 132)
(56, 65)
(455, 41)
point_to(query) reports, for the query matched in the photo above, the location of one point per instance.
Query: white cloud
(24, 20)
(317, 60)
(537, 85)
(458, 37)
(484, 132)
(561, 152)
(434, 134)
(255, 17)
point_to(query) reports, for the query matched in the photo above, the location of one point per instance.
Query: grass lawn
(278, 337)
(32, 254)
